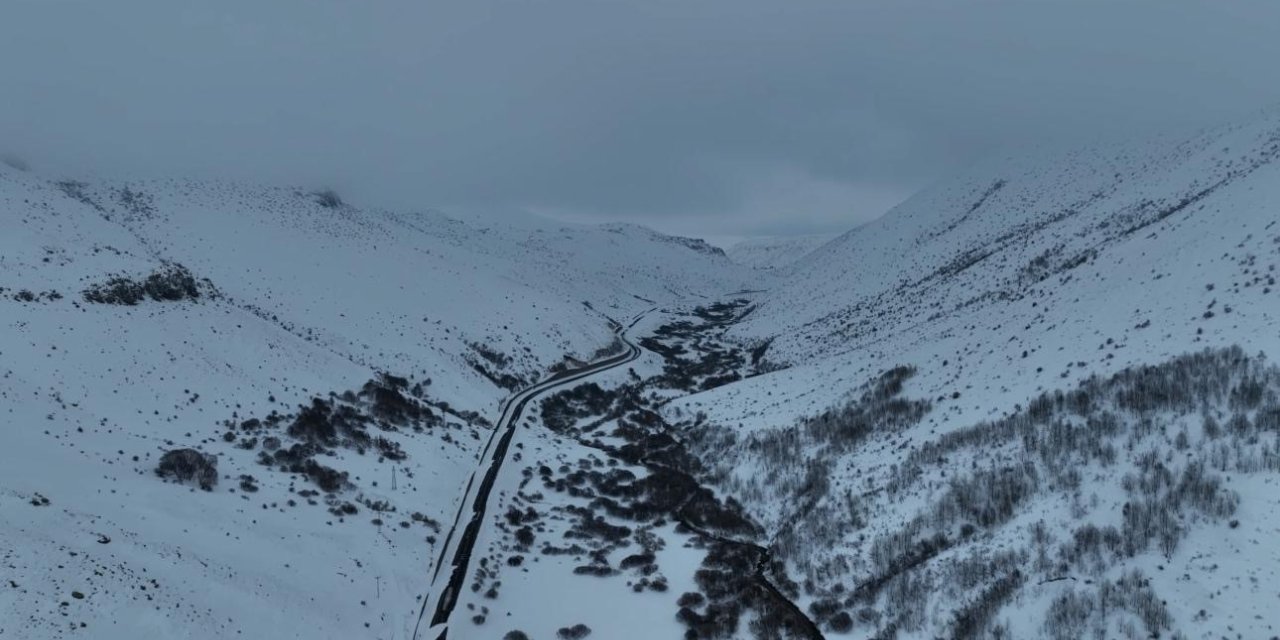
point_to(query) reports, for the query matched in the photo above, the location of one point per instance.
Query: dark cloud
(718, 117)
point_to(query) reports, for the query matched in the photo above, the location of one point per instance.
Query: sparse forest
(1138, 460)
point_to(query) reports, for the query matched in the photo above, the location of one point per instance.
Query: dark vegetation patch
(1163, 436)
(971, 620)
(1128, 597)
(365, 422)
(329, 199)
(493, 365)
(310, 444)
(28, 296)
(738, 576)
(137, 205)
(189, 465)
(879, 409)
(697, 357)
(171, 282)
(576, 632)
(735, 578)
(561, 410)
(1054, 261)
(982, 199)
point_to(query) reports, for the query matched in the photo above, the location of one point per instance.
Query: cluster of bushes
(1090, 612)
(711, 368)
(360, 421)
(575, 632)
(695, 357)
(732, 581)
(722, 313)
(388, 402)
(139, 205)
(1148, 212)
(78, 191)
(300, 459)
(740, 580)
(189, 465)
(344, 422)
(27, 295)
(495, 357)
(759, 363)
(562, 410)
(509, 381)
(171, 282)
(668, 492)
(1052, 262)
(725, 586)
(329, 199)
(880, 407)
(494, 370)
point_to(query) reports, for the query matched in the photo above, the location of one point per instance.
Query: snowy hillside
(1032, 401)
(775, 251)
(935, 350)
(254, 327)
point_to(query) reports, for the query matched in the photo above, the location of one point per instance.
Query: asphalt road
(444, 594)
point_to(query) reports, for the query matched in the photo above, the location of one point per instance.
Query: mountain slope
(983, 306)
(1014, 228)
(775, 252)
(253, 326)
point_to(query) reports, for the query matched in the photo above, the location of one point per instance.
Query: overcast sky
(707, 117)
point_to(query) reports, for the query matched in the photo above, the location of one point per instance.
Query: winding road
(443, 594)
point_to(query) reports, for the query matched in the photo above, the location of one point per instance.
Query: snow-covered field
(302, 301)
(775, 252)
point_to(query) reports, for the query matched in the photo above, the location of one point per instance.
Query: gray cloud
(715, 117)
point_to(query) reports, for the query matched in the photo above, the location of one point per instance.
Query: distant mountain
(773, 252)
(695, 244)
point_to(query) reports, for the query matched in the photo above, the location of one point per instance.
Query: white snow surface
(1065, 252)
(313, 300)
(775, 252)
(1086, 263)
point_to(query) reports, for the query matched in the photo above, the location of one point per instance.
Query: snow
(1135, 254)
(313, 300)
(1026, 275)
(775, 252)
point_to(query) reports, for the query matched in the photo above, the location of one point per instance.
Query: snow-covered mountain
(1031, 401)
(772, 252)
(992, 400)
(146, 317)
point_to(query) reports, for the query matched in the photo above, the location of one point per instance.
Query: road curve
(444, 593)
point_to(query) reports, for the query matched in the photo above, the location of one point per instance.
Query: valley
(1036, 400)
